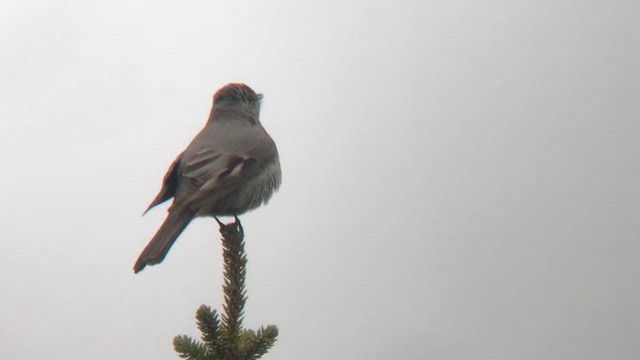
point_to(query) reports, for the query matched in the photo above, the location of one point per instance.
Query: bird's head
(238, 97)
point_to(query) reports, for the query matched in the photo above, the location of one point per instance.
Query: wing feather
(211, 172)
(169, 184)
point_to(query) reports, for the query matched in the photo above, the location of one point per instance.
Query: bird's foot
(226, 228)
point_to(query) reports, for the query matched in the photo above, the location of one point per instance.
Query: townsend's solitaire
(230, 167)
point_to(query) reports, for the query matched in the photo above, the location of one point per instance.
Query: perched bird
(230, 167)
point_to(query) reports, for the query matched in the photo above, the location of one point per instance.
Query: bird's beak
(259, 96)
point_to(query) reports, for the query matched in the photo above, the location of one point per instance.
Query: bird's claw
(238, 224)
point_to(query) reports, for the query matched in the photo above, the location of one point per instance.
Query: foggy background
(460, 179)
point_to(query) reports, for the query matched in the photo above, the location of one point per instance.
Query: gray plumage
(230, 167)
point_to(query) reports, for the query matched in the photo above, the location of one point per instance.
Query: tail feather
(162, 241)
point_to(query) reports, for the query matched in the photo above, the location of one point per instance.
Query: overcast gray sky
(461, 179)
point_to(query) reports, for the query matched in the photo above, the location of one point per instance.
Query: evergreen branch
(261, 342)
(189, 349)
(209, 326)
(246, 343)
(224, 338)
(235, 272)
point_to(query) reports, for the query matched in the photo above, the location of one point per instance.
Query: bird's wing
(169, 184)
(210, 171)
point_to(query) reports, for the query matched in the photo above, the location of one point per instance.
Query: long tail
(159, 246)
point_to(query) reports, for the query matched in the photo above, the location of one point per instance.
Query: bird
(230, 167)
